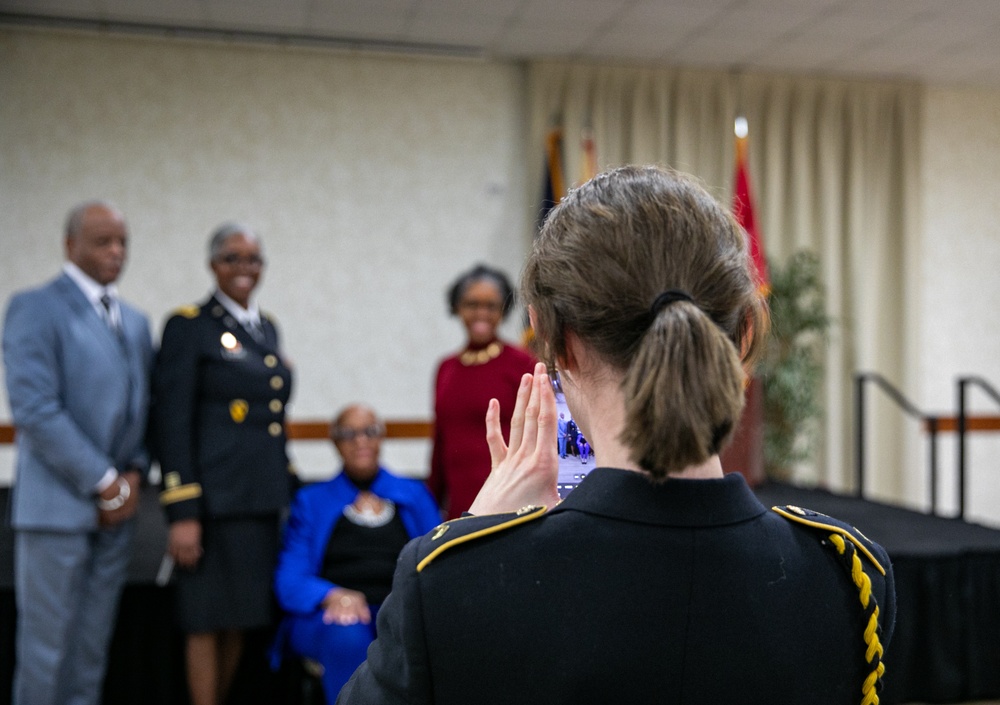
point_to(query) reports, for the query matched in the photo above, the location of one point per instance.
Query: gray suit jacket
(79, 395)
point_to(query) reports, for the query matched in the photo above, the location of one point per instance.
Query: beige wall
(374, 180)
(959, 292)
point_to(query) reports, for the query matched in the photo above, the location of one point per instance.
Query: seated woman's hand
(345, 607)
(526, 470)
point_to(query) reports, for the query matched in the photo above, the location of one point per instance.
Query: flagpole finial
(742, 128)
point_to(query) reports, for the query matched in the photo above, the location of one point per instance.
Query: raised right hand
(525, 471)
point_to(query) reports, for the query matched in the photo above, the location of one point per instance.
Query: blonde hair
(600, 262)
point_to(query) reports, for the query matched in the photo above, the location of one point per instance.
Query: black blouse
(361, 556)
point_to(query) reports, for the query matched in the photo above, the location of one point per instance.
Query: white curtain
(834, 168)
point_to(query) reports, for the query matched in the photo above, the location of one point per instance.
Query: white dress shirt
(248, 317)
(95, 292)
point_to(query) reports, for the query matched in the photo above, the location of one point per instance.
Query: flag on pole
(555, 183)
(743, 211)
(745, 453)
(553, 190)
(588, 165)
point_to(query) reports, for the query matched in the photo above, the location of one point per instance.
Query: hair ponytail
(683, 391)
(653, 275)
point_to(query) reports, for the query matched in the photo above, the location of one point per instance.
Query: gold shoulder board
(189, 311)
(822, 522)
(458, 531)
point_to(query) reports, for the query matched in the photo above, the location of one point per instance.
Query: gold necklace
(481, 357)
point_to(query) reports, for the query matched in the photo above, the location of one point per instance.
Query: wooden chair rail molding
(395, 428)
(949, 424)
(314, 430)
(403, 429)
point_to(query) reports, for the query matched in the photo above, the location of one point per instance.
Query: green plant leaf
(791, 367)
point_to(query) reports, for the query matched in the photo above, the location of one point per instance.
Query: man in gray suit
(78, 363)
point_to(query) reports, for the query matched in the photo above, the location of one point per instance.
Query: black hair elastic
(668, 297)
(718, 433)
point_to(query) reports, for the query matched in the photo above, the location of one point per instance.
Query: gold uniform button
(275, 406)
(270, 360)
(274, 428)
(277, 383)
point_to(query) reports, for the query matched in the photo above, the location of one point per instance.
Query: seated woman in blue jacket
(340, 550)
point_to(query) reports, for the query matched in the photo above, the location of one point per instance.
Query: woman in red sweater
(486, 368)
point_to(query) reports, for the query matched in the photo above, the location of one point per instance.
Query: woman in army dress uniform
(658, 579)
(220, 389)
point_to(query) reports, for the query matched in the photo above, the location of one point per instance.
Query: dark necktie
(108, 316)
(253, 327)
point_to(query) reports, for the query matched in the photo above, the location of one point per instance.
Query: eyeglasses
(232, 259)
(345, 433)
(488, 306)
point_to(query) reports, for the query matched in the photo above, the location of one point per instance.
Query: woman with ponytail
(659, 579)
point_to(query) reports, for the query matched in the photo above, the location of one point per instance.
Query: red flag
(743, 210)
(745, 453)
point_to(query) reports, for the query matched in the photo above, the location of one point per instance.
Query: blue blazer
(316, 509)
(79, 395)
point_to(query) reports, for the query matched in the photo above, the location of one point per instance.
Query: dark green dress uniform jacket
(219, 412)
(689, 591)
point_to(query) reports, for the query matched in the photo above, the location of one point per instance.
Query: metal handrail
(964, 382)
(931, 421)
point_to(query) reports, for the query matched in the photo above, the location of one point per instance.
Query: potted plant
(791, 367)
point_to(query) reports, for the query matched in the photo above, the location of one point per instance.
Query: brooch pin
(231, 347)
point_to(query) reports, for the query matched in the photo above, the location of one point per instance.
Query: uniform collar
(631, 496)
(243, 316)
